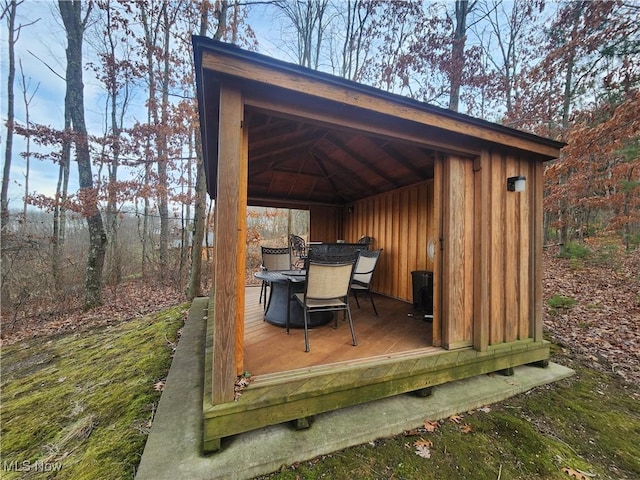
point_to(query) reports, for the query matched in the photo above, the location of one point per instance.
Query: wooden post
(438, 311)
(535, 188)
(482, 250)
(242, 251)
(457, 277)
(229, 235)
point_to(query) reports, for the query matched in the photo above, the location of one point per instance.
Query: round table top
(281, 275)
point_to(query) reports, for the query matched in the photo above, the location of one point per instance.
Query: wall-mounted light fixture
(516, 184)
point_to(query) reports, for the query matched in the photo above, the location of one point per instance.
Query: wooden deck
(393, 356)
(268, 348)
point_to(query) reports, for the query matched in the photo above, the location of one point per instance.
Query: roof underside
(302, 162)
(305, 148)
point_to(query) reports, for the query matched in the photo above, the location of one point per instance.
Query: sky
(41, 49)
(43, 40)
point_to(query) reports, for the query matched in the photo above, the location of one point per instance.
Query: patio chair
(326, 289)
(363, 274)
(297, 251)
(273, 259)
(365, 240)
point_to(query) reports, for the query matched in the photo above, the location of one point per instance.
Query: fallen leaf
(431, 426)
(466, 428)
(423, 447)
(241, 382)
(455, 418)
(158, 386)
(575, 474)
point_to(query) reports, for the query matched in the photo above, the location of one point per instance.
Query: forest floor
(592, 308)
(584, 427)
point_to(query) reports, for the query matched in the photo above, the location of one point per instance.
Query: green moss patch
(587, 425)
(80, 405)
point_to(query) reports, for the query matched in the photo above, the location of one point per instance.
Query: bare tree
(309, 21)
(27, 154)
(194, 288)
(116, 72)
(462, 10)
(354, 32)
(75, 25)
(9, 9)
(158, 22)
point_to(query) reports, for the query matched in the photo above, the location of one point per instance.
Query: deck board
(268, 348)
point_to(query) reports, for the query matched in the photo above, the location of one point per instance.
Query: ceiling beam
(362, 161)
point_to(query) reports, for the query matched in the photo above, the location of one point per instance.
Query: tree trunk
(163, 154)
(71, 10)
(200, 213)
(457, 53)
(200, 216)
(4, 213)
(27, 153)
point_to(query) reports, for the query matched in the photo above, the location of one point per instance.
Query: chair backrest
(365, 266)
(297, 248)
(365, 239)
(328, 280)
(275, 258)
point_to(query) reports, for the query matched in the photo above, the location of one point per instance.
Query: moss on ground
(589, 423)
(84, 401)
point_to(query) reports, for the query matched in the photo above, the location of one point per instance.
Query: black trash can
(423, 291)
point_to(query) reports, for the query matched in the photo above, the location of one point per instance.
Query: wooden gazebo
(429, 185)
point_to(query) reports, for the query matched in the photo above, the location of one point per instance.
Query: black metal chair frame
(341, 302)
(266, 284)
(360, 286)
(297, 250)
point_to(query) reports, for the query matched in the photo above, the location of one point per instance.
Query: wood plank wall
(511, 234)
(458, 196)
(401, 223)
(491, 276)
(325, 223)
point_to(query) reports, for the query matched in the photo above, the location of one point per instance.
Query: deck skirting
(276, 398)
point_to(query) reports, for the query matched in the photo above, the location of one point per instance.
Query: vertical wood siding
(510, 234)
(489, 288)
(458, 254)
(400, 222)
(325, 223)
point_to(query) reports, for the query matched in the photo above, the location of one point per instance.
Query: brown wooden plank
(438, 234)
(482, 250)
(496, 219)
(313, 87)
(536, 218)
(269, 349)
(511, 233)
(228, 238)
(421, 221)
(466, 324)
(457, 292)
(526, 267)
(403, 240)
(282, 397)
(242, 251)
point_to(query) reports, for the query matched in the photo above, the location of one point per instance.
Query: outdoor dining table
(285, 283)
